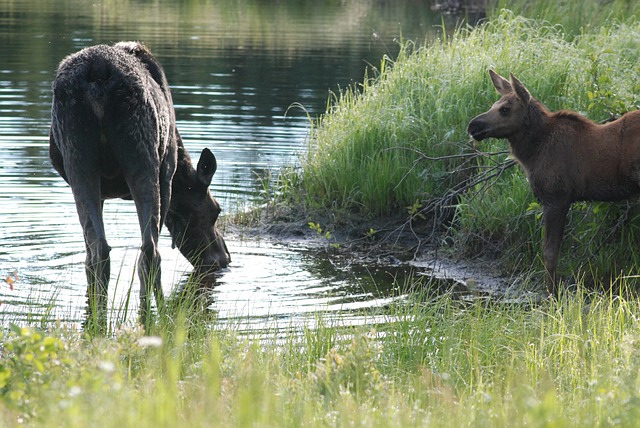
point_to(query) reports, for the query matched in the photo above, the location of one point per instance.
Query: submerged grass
(436, 362)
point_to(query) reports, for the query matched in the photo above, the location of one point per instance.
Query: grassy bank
(395, 145)
(435, 363)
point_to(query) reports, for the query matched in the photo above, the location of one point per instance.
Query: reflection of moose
(566, 157)
(113, 135)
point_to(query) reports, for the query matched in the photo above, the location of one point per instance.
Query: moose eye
(504, 111)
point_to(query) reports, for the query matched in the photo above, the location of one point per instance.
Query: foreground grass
(572, 362)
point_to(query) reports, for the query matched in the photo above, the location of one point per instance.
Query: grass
(575, 18)
(394, 142)
(436, 362)
(362, 152)
(574, 361)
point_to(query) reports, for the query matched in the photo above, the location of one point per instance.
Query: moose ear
(502, 85)
(521, 91)
(207, 166)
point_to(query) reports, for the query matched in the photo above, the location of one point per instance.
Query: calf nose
(471, 128)
(475, 129)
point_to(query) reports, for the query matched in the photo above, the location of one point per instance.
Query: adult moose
(566, 157)
(113, 135)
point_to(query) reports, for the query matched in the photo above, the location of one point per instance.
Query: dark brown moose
(566, 157)
(113, 135)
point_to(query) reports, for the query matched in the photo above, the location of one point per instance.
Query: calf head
(193, 212)
(507, 116)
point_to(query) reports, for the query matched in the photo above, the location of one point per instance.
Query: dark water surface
(235, 68)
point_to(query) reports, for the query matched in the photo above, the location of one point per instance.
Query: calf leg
(98, 271)
(554, 217)
(147, 199)
(167, 170)
(137, 147)
(97, 264)
(74, 144)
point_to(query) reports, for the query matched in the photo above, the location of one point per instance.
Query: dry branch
(480, 177)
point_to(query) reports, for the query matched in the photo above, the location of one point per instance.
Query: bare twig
(481, 178)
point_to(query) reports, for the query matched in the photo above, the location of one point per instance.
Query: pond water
(235, 68)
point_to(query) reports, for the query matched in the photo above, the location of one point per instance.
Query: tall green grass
(435, 362)
(384, 146)
(361, 153)
(575, 17)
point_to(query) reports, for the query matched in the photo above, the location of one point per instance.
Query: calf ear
(207, 166)
(521, 91)
(501, 84)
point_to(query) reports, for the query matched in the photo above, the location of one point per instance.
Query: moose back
(566, 157)
(113, 135)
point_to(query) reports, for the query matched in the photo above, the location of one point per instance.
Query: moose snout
(215, 257)
(212, 265)
(477, 129)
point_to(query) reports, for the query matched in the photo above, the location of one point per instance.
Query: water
(235, 68)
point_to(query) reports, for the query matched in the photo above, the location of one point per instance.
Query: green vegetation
(395, 143)
(571, 362)
(390, 148)
(574, 17)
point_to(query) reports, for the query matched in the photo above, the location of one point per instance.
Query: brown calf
(566, 157)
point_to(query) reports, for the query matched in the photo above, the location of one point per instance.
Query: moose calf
(566, 157)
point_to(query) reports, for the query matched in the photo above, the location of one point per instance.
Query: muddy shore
(393, 243)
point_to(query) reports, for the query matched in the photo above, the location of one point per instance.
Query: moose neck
(529, 141)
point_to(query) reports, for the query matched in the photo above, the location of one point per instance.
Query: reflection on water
(277, 287)
(235, 68)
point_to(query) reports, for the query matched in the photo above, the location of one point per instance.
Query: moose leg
(98, 271)
(98, 264)
(554, 217)
(167, 170)
(147, 200)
